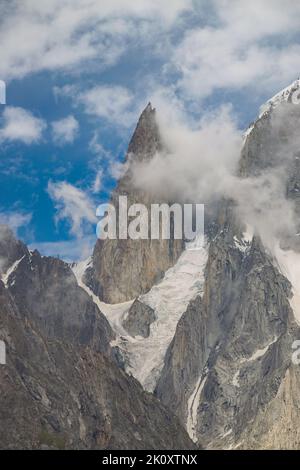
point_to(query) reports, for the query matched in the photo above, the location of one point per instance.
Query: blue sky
(79, 73)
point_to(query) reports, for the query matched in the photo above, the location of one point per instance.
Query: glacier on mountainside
(144, 357)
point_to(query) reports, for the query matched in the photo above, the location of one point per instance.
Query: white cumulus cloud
(15, 220)
(60, 35)
(64, 131)
(74, 205)
(240, 45)
(21, 125)
(116, 104)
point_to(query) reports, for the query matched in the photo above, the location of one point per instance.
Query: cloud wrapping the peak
(199, 162)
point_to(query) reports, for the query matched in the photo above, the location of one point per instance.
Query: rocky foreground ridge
(62, 387)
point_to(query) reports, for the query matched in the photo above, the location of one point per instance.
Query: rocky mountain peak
(284, 95)
(287, 95)
(272, 140)
(146, 139)
(145, 260)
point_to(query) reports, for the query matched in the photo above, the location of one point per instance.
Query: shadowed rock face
(249, 362)
(203, 326)
(235, 347)
(124, 269)
(46, 292)
(61, 387)
(139, 319)
(186, 356)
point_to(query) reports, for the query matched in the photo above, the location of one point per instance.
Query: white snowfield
(283, 96)
(169, 299)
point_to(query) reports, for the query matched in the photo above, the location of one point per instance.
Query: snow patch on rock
(193, 405)
(281, 97)
(5, 277)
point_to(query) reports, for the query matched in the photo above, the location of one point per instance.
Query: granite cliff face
(61, 386)
(228, 372)
(124, 269)
(232, 352)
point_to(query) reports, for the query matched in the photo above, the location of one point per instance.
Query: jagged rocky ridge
(62, 386)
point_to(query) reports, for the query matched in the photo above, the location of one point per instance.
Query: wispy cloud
(65, 131)
(96, 147)
(97, 184)
(115, 104)
(20, 125)
(74, 205)
(240, 45)
(15, 220)
(60, 35)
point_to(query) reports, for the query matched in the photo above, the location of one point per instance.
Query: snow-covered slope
(283, 96)
(144, 357)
